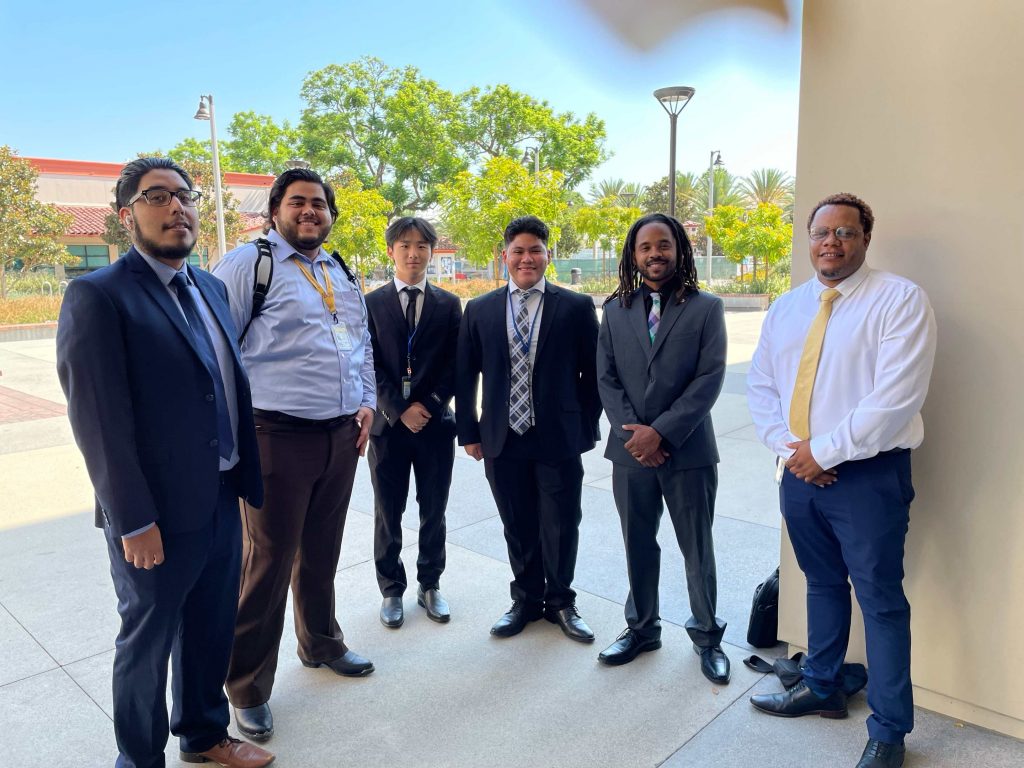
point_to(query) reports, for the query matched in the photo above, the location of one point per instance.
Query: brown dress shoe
(231, 753)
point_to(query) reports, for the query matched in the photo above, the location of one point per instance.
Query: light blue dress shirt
(292, 355)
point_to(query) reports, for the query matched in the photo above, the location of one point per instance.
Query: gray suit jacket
(670, 385)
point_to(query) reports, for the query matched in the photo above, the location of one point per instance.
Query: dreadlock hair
(630, 277)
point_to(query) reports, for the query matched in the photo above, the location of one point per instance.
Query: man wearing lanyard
(534, 345)
(310, 361)
(415, 327)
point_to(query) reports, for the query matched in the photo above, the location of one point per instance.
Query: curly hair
(630, 277)
(867, 217)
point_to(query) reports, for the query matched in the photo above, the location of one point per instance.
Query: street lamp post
(673, 99)
(205, 112)
(715, 161)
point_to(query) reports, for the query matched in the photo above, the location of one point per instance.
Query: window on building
(90, 258)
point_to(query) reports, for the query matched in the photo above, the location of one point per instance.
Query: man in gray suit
(660, 367)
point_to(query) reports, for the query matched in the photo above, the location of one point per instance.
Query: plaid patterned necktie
(800, 403)
(520, 409)
(654, 318)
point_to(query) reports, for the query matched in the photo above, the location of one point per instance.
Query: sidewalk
(443, 695)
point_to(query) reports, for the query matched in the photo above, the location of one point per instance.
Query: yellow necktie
(800, 405)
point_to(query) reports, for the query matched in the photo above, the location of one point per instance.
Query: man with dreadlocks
(660, 367)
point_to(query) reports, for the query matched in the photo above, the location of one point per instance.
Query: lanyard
(524, 344)
(410, 337)
(326, 295)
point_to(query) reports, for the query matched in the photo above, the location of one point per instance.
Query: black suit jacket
(565, 398)
(670, 385)
(433, 355)
(140, 399)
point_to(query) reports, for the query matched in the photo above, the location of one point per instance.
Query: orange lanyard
(328, 295)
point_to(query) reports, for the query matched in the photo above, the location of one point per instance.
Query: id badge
(342, 339)
(406, 387)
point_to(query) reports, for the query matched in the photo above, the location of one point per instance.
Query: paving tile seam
(87, 694)
(748, 522)
(33, 637)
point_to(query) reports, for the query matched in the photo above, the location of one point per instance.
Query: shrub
(29, 309)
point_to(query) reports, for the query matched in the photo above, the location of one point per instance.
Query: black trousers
(539, 505)
(183, 609)
(430, 455)
(690, 497)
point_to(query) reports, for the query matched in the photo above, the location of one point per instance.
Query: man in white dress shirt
(835, 389)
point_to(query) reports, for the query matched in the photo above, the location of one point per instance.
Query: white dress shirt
(876, 362)
(404, 297)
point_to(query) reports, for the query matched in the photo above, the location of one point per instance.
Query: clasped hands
(415, 417)
(803, 464)
(645, 445)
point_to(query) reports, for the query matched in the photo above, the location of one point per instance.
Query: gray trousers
(689, 495)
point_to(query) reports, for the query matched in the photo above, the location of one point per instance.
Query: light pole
(533, 152)
(205, 112)
(673, 99)
(295, 163)
(714, 162)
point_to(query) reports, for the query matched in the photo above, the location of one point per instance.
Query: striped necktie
(520, 408)
(800, 404)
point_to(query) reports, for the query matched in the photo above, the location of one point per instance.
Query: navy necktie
(225, 440)
(410, 309)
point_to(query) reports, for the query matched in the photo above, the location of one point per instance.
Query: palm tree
(769, 185)
(606, 188)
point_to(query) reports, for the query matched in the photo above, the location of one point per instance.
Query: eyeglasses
(843, 233)
(160, 197)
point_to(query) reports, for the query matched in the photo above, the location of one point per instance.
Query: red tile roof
(445, 244)
(251, 221)
(113, 170)
(88, 219)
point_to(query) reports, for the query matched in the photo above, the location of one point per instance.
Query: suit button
(214, 443)
(209, 398)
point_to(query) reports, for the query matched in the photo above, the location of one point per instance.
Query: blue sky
(104, 83)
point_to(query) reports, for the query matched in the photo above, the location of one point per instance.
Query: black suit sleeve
(691, 407)
(389, 396)
(92, 366)
(468, 371)
(440, 397)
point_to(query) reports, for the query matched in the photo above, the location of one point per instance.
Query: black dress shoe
(574, 627)
(349, 665)
(392, 614)
(882, 754)
(256, 723)
(799, 701)
(516, 619)
(714, 664)
(627, 647)
(436, 606)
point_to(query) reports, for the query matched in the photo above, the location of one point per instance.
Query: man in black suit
(414, 327)
(534, 344)
(660, 366)
(160, 407)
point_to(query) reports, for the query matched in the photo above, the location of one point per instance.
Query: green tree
(114, 232)
(393, 128)
(478, 207)
(655, 197)
(606, 222)
(761, 233)
(30, 231)
(769, 185)
(358, 232)
(259, 145)
(196, 158)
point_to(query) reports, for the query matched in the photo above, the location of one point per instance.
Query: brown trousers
(295, 537)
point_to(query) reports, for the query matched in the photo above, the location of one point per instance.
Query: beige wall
(918, 107)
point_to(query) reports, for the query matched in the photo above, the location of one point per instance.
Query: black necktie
(225, 440)
(410, 307)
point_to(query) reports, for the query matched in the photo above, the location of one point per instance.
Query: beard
(290, 232)
(168, 252)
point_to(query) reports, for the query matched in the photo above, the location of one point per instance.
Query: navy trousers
(184, 610)
(855, 529)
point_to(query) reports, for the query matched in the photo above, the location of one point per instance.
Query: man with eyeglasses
(835, 388)
(160, 407)
(309, 357)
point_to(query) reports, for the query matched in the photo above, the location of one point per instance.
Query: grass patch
(29, 309)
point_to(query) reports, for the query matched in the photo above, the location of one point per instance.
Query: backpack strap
(348, 272)
(263, 275)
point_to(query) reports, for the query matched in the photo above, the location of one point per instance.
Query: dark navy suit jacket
(141, 401)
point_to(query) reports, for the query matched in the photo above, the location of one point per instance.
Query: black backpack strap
(348, 272)
(263, 275)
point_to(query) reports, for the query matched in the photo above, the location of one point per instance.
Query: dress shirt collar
(164, 271)
(540, 286)
(283, 250)
(847, 286)
(422, 285)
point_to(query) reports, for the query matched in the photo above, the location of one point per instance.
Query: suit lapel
(219, 310)
(638, 320)
(670, 314)
(429, 304)
(393, 304)
(549, 304)
(495, 323)
(158, 292)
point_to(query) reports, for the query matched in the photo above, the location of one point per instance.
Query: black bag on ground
(790, 672)
(763, 630)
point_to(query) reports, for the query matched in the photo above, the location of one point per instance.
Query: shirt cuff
(137, 531)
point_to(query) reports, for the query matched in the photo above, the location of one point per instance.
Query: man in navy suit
(415, 327)
(534, 344)
(160, 408)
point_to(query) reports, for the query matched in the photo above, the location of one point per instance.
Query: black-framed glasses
(843, 233)
(160, 197)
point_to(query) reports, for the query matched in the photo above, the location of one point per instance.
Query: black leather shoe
(392, 614)
(882, 754)
(799, 701)
(574, 627)
(256, 723)
(436, 606)
(516, 619)
(714, 664)
(627, 647)
(349, 665)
